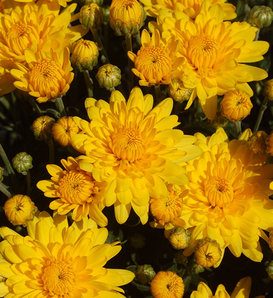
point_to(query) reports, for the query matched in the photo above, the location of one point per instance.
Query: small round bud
(19, 209)
(126, 16)
(22, 162)
(179, 238)
(208, 253)
(42, 127)
(91, 16)
(260, 16)
(84, 55)
(144, 274)
(108, 76)
(178, 92)
(268, 89)
(269, 269)
(236, 105)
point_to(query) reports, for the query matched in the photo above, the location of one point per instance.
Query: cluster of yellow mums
(208, 193)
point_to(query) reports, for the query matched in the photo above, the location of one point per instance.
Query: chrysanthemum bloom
(134, 148)
(242, 290)
(185, 8)
(64, 129)
(19, 209)
(42, 126)
(208, 253)
(178, 92)
(167, 284)
(126, 16)
(34, 26)
(76, 190)
(214, 53)
(236, 105)
(46, 76)
(179, 238)
(84, 55)
(20, 2)
(156, 62)
(167, 210)
(228, 199)
(57, 260)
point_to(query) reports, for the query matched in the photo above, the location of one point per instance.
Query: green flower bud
(178, 92)
(179, 238)
(269, 269)
(144, 274)
(108, 76)
(22, 162)
(260, 16)
(91, 16)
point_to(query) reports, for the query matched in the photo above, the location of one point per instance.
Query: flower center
(154, 63)
(58, 278)
(202, 52)
(127, 144)
(47, 78)
(77, 187)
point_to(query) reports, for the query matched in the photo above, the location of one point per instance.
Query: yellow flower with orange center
(186, 8)
(57, 260)
(45, 76)
(215, 52)
(167, 284)
(76, 190)
(135, 148)
(242, 290)
(155, 62)
(228, 199)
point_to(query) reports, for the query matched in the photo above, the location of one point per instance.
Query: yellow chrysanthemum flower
(167, 284)
(155, 62)
(134, 148)
(10, 4)
(228, 199)
(57, 260)
(33, 26)
(242, 290)
(215, 52)
(185, 8)
(45, 76)
(76, 190)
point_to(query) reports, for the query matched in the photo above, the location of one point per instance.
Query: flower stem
(35, 106)
(260, 115)
(3, 189)
(238, 127)
(129, 47)
(88, 83)
(99, 42)
(60, 106)
(6, 161)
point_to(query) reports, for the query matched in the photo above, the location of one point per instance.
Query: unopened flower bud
(22, 162)
(207, 253)
(178, 92)
(108, 76)
(268, 89)
(179, 238)
(19, 209)
(42, 127)
(260, 16)
(269, 269)
(91, 16)
(85, 54)
(144, 274)
(126, 16)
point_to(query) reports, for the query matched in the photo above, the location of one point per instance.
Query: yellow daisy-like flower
(76, 190)
(45, 76)
(134, 148)
(57, 260)
(8, 4)
(167, 284)
(155, 62)
(33, 26)
(228, 199)
(215, 52)
(242, 290)
(185, 8)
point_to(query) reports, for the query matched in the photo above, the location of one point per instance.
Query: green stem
(257, 35)
(60, 106)
(35, 106)
(6, 161)
(260, 115)
(3, 189)
(88, 83)
(238, 127)
(28, 182)
(99, 42)
(138, 39)
(129, 47)
(51, 150)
